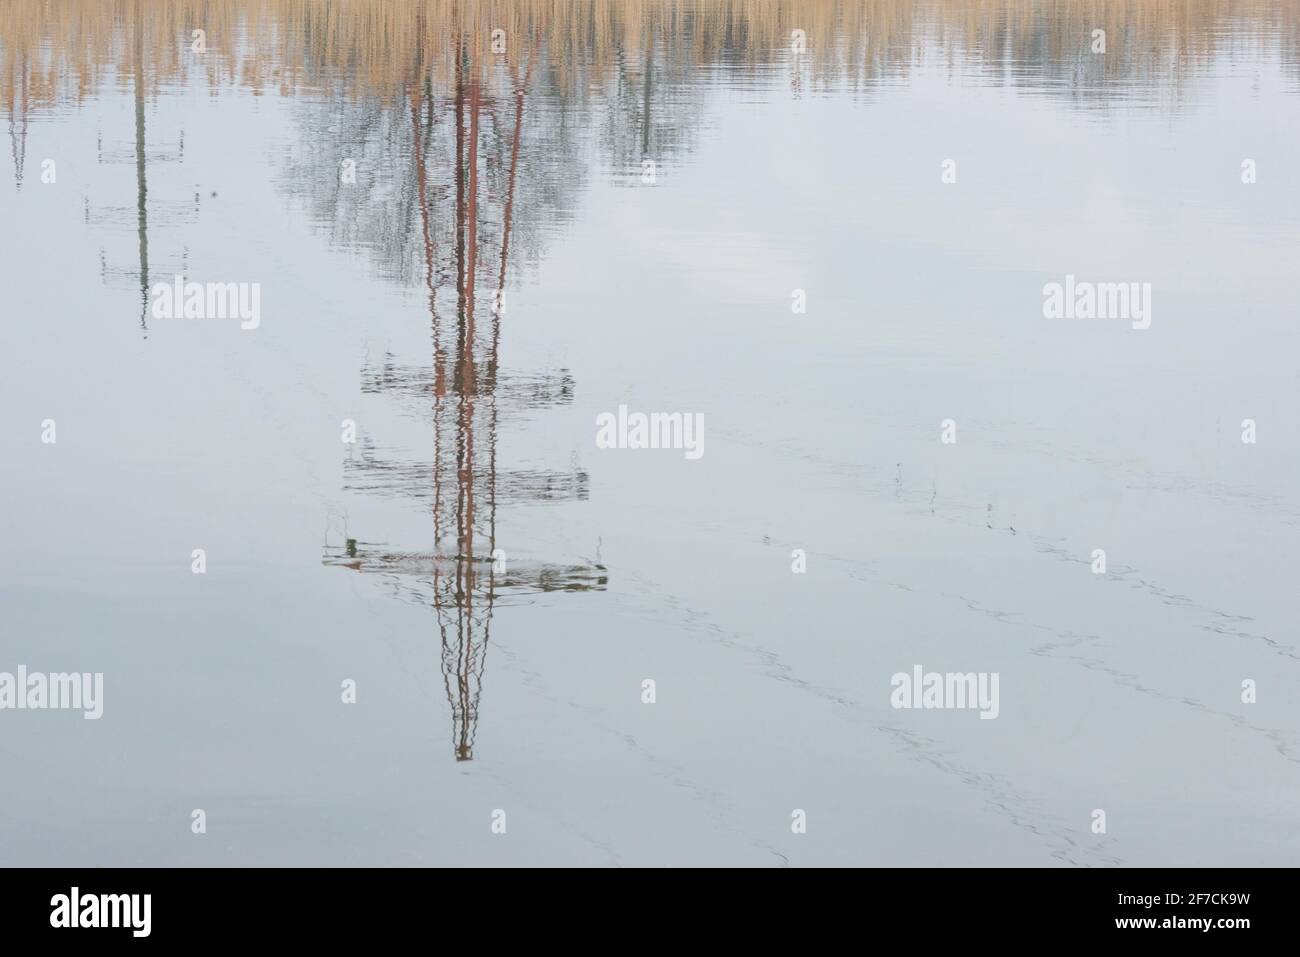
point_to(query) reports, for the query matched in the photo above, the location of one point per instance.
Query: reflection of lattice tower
(146, 215)
(464, 395)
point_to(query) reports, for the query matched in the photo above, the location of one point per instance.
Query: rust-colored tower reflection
(464, 393)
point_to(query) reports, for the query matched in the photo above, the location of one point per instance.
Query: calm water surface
(517, 684)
